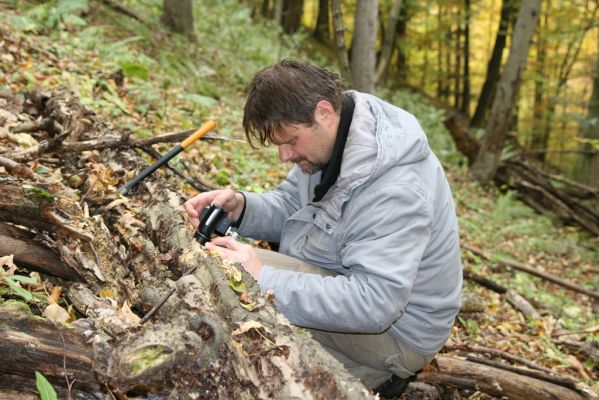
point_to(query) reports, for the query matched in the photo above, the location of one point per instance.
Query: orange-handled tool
(204, 129)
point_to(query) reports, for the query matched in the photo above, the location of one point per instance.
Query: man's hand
(231, 201)
(244, 254)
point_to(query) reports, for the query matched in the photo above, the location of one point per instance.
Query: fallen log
(501, 383)
(535, 186)
(29, 344)
(31, 254)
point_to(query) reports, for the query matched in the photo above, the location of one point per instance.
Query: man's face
(310, 147)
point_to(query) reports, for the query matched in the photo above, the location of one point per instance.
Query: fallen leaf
(246, 326)
(56, 313)
(54, 297)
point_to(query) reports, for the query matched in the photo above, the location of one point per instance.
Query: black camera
(213, 219)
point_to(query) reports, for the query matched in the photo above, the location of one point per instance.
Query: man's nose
(285, 153)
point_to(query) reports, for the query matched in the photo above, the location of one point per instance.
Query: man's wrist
(237, 222)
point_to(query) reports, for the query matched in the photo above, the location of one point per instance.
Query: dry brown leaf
(246, 326)
(127, 315)
(54, 297)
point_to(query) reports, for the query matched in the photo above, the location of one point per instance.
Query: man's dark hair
(287, 93)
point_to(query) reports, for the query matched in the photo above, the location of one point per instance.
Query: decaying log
(29, 344)
(500, 383)
(28, 253)
(91, 257)
(207, 341)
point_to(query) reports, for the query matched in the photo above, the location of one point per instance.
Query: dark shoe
(393, 387)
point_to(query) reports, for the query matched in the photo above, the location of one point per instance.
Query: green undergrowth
(143, 79)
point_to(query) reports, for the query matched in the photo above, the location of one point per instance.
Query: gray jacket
(387, 227)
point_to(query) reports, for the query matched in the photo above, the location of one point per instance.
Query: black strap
(332, 169)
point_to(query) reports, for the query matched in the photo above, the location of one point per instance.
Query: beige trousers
(373, 358)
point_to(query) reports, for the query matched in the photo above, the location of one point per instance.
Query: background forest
(529, 225)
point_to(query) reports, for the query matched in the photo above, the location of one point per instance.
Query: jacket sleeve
(383, 241)
(266, 213)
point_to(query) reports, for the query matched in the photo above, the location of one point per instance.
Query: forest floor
(143, 80)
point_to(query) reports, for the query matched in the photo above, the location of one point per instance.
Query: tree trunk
(457, 66)
(402, 57)
(494, 66)
(363, 58)
(293, 10)
(487, 160)
(388, 41)
(340, 40)
(177, 15)
(322, 32)
(587, 166)
(537, 139)
(465, 106)
(566, 64)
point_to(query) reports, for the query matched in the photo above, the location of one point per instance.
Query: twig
(163, 300)
(532, 271)
(565, 382)
(124, 10)
(20, 170)
(496, 353)
(64, 367)
(484, 282)
(593, 329)
(107, 143)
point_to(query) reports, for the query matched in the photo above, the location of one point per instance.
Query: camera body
(213, 220)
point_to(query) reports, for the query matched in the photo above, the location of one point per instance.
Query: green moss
(40, 193)
(147, 358)
(16, 306)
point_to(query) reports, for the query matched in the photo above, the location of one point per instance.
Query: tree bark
(494, 66)
(30, 254)
(293, 10)
(340, 40)
(487, 160)
(177, 15)
(587, 166)
(465, 105)
(388, 41)
(322, 32)
(363, 57)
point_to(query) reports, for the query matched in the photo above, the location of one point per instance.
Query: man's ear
(324, 111)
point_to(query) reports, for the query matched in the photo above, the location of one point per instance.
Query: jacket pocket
(318, 246)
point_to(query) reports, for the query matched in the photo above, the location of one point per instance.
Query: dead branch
(496, 353)
(565, 382)
(502, 383)
(20, 170)
(532, 271)
(115, 5)
(533, 184)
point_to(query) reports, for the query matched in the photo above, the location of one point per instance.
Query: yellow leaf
(237, 285)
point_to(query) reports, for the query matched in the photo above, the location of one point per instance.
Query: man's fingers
(226, 241)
